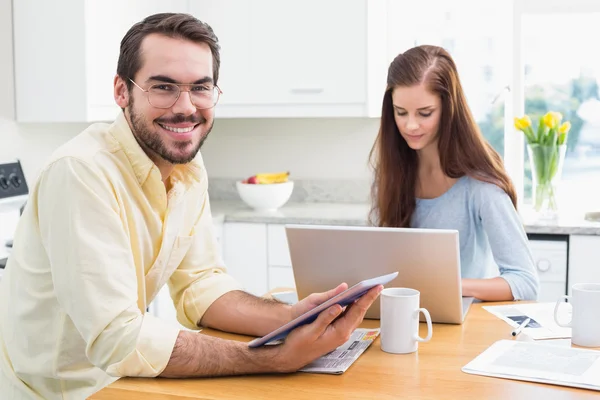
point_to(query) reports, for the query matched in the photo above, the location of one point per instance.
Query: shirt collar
(142, 165)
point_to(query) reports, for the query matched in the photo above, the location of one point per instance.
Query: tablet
(346, 297)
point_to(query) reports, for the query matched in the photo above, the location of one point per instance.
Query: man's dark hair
(182, 26)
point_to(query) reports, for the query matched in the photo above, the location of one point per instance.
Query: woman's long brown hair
(462, 148)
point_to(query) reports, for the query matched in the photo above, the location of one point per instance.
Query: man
(121, 210)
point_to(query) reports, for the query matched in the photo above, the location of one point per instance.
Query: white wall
(33, 143)
(237, 148)
(308, 148)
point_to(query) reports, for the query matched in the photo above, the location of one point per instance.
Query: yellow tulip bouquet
(546, 147)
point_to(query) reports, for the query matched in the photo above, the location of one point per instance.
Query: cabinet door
(584, 259)
(107, 22)
(245, 251)
(279, 251)
(550, 291)
(281, 277)
(289, 52)
(309, 51)
(230, 21)
(49, 49)
(219, 236)
(162, 307)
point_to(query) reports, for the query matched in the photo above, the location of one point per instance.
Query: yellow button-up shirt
(97, 240)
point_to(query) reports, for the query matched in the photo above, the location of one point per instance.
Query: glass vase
(546, 163)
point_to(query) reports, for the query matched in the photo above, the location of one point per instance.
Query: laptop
(427, 260)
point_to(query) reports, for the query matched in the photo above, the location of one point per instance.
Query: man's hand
(309, 342)
(202, 355)
(315, 299)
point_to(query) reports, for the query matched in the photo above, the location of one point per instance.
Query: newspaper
(539, 362)
(339, 360)
(542, 324)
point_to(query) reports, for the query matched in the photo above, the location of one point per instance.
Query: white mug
(585, 320)
(400, 320)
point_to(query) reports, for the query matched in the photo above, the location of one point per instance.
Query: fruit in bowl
(269, 178)
(266, 192)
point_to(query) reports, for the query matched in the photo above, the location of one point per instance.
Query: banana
(278, 177)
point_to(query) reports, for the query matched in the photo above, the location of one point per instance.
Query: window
(477, 35)
(531, 55)
(562, 72)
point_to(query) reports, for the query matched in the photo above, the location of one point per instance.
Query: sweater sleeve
(508, 242)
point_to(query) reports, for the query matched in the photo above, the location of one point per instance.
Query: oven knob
(3, 182)
(15, 180)
(543, 265)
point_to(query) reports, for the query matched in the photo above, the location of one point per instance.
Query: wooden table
(434, 372)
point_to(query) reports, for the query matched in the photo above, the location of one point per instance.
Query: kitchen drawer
(550, 260)
(278, 250)
(280, 277)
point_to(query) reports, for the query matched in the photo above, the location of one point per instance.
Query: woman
(434, 169)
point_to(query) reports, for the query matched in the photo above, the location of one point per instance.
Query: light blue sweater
(492, 239)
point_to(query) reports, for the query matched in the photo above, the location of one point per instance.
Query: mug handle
(429, 327)
(558, 302)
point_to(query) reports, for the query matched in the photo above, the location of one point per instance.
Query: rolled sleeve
(153, 349)
(94, 274)
(202, 277)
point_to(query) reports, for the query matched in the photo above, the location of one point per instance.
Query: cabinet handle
(314, 90)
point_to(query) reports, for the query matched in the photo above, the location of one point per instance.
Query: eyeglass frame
(147, 91)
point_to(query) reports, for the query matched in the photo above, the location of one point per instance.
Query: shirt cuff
(202, 294)
(154, 346)
(516, 287)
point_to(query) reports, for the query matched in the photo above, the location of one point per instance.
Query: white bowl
(265, 197)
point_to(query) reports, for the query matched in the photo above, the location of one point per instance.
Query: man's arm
(200, 355)
(241, 312)
(196, 354)
(93, 271)
(205, 295)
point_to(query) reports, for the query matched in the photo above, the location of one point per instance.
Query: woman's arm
(510, 248)
(494, 289)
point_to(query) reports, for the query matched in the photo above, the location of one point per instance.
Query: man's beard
(152, 140)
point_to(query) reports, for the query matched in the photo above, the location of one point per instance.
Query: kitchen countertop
(356, 214)
(293, 213)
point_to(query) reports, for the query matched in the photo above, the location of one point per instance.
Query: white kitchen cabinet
(218, 229)
(281, 273)
(66, 53)
(292, 58)
(257, 255)
(245, 255)
(584, 259)
(278, 249)
(281, 277)
(296, 58)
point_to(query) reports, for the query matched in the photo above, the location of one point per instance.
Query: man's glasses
(164, 95)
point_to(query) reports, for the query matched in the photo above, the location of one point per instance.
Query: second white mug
(585, 322)
(400, 320)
